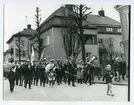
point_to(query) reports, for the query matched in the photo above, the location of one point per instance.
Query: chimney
(69, 6)
(29, 26)
(101, 13)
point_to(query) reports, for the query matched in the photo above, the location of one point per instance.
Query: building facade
(51, 30)
(19, 45)
(100, 28)
(124, 17)
(108, 33)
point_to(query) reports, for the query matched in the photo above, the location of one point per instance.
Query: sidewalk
(122, 82)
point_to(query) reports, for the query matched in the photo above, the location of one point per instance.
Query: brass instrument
(93, 58)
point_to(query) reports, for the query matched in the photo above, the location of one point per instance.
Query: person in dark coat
(61, 71)
(17, 74)
(117, 69)
(43, 75)
(11, 78)
(58, 71)
(40, 71)
(123, 68)
(36, 75)
(65, 74)
(28, 76)
(88, 73)
(21, 75)
(71, 72)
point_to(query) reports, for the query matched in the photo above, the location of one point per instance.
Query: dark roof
(102, 21)
(25, 32)
(95, 20)
(57, 16)
(55, 13)
(92, 21)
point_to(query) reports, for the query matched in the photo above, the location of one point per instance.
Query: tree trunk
(82, 36)
(83, 52)
(39, 56)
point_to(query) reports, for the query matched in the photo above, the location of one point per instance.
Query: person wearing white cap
(50, 70)
(108, 76)
(50, 65)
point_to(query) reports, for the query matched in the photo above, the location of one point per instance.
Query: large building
(99, 29)
(19, 45)
(124, 17)
(51, 30)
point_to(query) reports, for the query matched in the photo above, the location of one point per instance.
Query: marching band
(51, 73)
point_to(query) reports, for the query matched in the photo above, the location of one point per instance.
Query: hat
(116, 58)
(108, 67)
(87, 58)
(51, 60)
(80, 61)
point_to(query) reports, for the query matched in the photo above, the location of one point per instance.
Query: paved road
(64, 92)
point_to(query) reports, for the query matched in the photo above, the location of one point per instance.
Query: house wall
(7, 57)
(116, 41)
(93, 49)
(59, 52)
(25, 48)
(48, 50)
(12, 45)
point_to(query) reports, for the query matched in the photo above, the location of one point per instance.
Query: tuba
(92, 59)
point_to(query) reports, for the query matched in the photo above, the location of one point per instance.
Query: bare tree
(28, 51)
(19, 47)
(70, 40)
(79, 14)
(39, 42)
(108, 48)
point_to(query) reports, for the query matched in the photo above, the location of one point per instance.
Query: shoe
(108, 94)
(111, 94)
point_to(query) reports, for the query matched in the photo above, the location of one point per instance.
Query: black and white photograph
(66, 52)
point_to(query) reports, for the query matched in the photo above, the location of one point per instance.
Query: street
(63, 92)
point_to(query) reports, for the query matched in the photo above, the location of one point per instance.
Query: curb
(112, 83)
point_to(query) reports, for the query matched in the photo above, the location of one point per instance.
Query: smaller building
(19, 45)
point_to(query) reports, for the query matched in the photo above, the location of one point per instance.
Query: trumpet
(93, 58)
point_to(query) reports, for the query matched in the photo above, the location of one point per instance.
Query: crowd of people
(57, 72)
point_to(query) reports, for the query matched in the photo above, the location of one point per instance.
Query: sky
(17, 16)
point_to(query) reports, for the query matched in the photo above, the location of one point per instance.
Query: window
(48, 57)
(100, 41)
(109, 29)
(92, 39)
(47, 40)
(23, 53)
(119, 30)
(88, 54)
(19, 43)
(17, 53)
